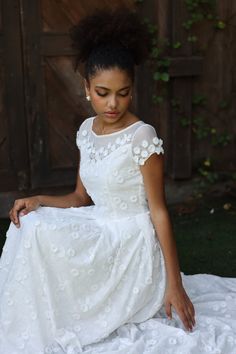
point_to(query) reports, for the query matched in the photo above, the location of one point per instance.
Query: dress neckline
(114, 133)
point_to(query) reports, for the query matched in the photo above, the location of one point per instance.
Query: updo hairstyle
(108, 39)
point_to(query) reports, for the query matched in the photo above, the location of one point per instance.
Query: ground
(206, 236)
(204, 223)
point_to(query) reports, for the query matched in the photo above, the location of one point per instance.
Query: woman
(90, 271)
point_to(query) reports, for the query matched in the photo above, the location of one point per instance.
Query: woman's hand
(177, 297)
(22, 207)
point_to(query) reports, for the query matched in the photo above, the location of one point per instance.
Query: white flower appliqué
(144, 150)
(97, 154)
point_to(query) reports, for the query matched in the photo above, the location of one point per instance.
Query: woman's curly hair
(108, 39)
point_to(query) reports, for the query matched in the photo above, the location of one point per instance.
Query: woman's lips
(111, 114)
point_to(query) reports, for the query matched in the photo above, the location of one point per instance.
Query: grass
(205, 233)
(206, 236)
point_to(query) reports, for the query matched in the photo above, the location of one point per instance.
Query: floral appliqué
(145, 149)
(97, 154)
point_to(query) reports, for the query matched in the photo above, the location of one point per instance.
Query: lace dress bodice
(109, 167)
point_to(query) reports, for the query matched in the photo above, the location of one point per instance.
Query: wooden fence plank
(185, 66)
(14, 99)
(181, 154)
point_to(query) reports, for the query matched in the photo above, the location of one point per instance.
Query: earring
(88, 98)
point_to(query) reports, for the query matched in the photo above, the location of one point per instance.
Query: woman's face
(110, 92)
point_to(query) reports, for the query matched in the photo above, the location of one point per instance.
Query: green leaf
(165, 77)
(221, 139)
(155, 53)
(188, 24)
(152, 28)
(220, 25)
(210, 16)
(192, 39)
(177, 45)
(164, 63)
(199, 99)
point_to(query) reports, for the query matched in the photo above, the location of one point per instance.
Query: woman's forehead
(111, 78)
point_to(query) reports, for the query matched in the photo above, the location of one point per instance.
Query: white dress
(92, 279)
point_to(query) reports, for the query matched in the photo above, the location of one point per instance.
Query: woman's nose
(112, 102)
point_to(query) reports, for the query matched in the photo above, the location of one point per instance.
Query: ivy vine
(199, 11)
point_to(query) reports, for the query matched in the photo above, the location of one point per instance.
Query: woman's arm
(79, 197)
(153, 176)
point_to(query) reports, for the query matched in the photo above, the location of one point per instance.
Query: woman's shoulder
(145, 130)
(86, 123)
(83, 130)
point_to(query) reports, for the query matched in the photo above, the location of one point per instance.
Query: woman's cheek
(97, 101)
(126, 102)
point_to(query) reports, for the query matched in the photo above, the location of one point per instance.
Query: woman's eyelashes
(106, 94)
(101, 94)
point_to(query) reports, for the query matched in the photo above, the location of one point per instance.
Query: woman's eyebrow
(102, 87)
(105, 88)
(124, 88)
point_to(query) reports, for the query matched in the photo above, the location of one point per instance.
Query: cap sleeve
(145, 143)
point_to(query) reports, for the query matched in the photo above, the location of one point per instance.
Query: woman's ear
(86, 86)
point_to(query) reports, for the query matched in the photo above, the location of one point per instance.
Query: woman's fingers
(22, 207)
(186, 319)
(168, 309)
(24, 211)
(14, 213)
(192, 313)
(189, 312)
(16, 209)
(186, 313)
(13, 218)
(178, 298)
(189, 317)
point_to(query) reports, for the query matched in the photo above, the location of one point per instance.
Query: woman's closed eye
(101, 94)
(122, 94)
